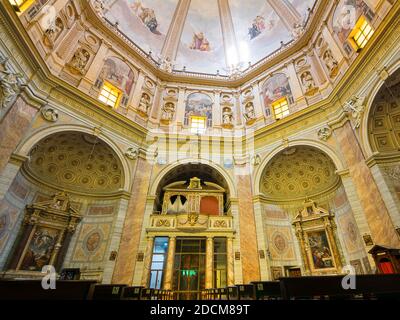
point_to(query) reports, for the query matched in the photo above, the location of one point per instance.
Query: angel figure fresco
(200, 42)
(146, 15)
(258, 26)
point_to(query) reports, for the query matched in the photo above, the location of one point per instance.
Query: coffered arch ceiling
(297, 173)
(77, 162)
(207, 36)
(384, 117)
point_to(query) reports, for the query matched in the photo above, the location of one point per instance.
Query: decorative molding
(49, 113)
(355, 107)
(132, 153)
(324, 133)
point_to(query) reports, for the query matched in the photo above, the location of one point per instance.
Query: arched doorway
(190, 232)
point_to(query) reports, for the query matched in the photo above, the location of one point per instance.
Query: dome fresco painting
(205, 44)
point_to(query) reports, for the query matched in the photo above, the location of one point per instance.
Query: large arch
(369, 104)
(156, 182)
(29, 142)
(330, 152)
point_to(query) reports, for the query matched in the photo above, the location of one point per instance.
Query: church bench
(266, 290)
(131, 293)
(245, 291)
(320, 287)
(32, 290)
(107, 291)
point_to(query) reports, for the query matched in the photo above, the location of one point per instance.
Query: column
(172, 40)
(248, 236)
(180, 108)
(216, 109)
(130, 240)
(258, 101)
(209, 262)
(10, 172)
(148, 256)
(95, 67)
(295, 86)
(137, 92)
(157, 99)
(239, 113)
(376, 213)
(13, 127)
(230, 261)
(169, 269)
(286, 12)
(228, 33)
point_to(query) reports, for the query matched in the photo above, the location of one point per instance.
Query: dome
(208, 36)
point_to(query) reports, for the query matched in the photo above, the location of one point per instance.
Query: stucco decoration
(298, 172)
(76, 161)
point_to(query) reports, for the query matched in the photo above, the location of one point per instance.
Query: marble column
(230, 262)
(169, 268)
(129, 245)
(156, 105)
(209, 262)
(376, 213)
(172, 40)
(13, 128)
(148, 256)
(248, 236)
(286, 12)
(9, 173)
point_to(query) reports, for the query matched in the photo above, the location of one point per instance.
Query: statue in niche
(80, 60)
(330, 63)
(53, 31)
(99, 7)
(9, 84)
(308, 83)
(166, 65)
(227, 117)
(168, 111)
(355, 106)
(144, 104)
(249, 113)
(298, 30)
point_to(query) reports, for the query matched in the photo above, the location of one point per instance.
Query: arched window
(115, 82)
(277, 96)
(198, 112)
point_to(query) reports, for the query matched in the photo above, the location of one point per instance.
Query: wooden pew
(132, 293)
(32, 290)
(266, 290)
(245, 291)
(107, 291)
(321, 287)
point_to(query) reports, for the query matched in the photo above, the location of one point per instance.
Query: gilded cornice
(325, 111)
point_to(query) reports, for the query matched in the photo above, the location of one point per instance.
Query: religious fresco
(199, 104)
(40, 249)
(145, 22)
(320, 251)
(346, 15)
(201, 47)
(258, 29)
(276, 88)
(118, 73)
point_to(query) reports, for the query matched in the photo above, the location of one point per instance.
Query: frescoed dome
(208, 36)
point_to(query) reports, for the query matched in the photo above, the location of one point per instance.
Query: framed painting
(320, 250)
(39, 249)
